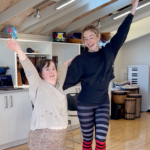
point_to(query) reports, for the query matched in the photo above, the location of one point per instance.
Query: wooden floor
(122, 135)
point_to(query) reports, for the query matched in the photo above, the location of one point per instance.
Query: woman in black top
(93, 68)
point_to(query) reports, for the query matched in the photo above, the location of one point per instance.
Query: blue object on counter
(3, 70)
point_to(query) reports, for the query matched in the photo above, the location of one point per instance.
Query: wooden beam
(16, 9)
(110, 25)
(45, 13)
(98, 14)
(57, 15)
(90, 6)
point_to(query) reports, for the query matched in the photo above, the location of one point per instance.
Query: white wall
(118, 65)
(138, 29)
(136, 52)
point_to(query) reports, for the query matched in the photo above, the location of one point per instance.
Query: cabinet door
(4, 112)
(19, 115)
(72, 51)
(65, 51)
(7, 58)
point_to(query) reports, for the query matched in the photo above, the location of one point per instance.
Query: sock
(100, 145)
(87, 145)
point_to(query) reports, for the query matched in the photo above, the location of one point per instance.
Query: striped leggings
(90, 116)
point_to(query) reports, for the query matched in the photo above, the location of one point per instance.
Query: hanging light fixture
(99, 24)
(37, 15)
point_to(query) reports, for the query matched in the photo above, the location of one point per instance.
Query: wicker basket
(75, 41)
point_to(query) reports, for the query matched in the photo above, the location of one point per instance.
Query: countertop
(13, 91)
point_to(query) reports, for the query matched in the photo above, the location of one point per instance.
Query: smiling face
(49, 73)
(91, 40)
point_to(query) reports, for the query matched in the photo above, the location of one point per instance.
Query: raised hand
(13, 45)
(68, 62)
(135, 4)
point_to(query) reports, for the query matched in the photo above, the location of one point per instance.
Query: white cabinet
(65, 51)
(43, 47)
(15, 116)
(20, 111)
(8, 57)
(4, 120)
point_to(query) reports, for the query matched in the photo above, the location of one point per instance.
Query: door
(4, 112)
(19, 115)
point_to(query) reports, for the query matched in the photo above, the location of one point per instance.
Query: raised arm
(74, 73)
(119, 38)
(30, 71)
(62, 71)
(135, 4)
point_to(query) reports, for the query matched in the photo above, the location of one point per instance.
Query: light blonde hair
(104, 36)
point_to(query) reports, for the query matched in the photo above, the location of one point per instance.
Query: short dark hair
(44, 62)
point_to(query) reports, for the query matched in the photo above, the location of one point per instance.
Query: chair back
(72, 101)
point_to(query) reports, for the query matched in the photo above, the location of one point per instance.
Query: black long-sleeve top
(94, 69)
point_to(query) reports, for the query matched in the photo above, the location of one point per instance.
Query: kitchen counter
(13, 91)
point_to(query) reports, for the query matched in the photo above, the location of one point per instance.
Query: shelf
(37, 54)
(66, 43)
(23, 40)
(37, 41)
(23, 86)
(43, 54)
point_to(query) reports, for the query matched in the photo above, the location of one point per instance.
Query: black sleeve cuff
(130, 16)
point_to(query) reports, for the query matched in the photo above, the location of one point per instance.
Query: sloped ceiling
(72, 18)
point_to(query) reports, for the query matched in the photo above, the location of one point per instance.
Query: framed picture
(59, 36)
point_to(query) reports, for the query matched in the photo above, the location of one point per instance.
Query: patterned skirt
(47, 139)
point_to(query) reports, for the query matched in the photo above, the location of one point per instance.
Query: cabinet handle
(6, 102)
(11, 101)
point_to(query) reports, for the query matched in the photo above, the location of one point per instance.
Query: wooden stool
(138, 98)
(130, 108)
(118, 98)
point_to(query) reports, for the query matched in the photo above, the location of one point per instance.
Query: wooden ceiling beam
(16, 9)
(54, 16)
(97, 14)
(48, 11)
(90, 6)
